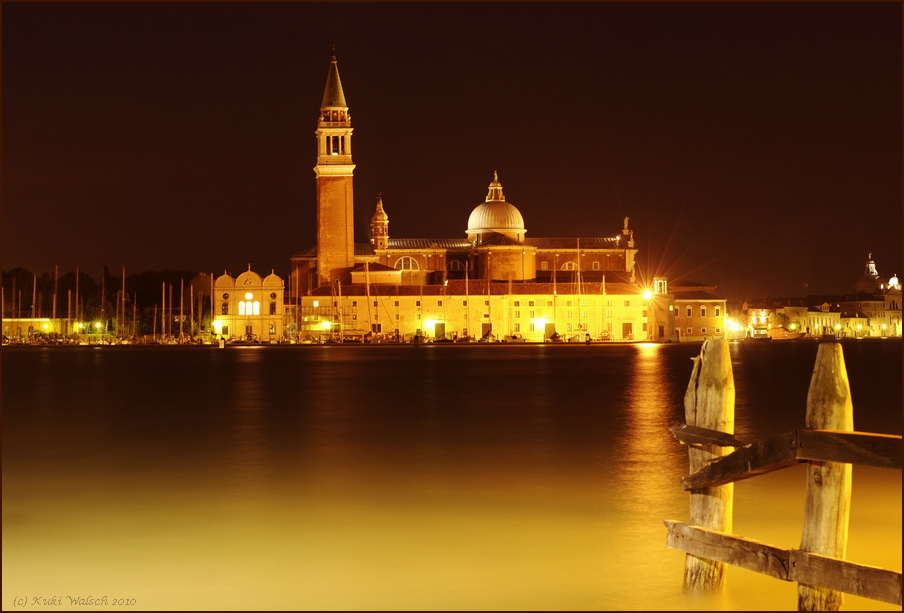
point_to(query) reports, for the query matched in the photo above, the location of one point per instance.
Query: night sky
(754, 146)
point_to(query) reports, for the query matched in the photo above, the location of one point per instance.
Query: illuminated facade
(492, 282)
(250, 308)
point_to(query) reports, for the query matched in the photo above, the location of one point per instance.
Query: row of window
(718, 311)
(690, 330)
(248, 307)
(409, 263)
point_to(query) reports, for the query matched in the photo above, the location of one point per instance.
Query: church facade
(493, 282)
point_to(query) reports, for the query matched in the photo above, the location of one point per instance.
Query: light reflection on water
(392, 477)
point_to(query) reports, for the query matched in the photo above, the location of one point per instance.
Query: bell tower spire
(334, 173)
(379, 226)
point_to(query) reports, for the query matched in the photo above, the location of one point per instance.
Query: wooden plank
(857, 579)
(862, 448)
(729, 549)
(709, 404)
(695, 435)
(754, 459)
(811, 569)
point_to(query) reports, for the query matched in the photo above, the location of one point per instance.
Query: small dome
(496, 215)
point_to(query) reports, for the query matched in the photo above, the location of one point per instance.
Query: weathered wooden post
(828, 500)
(709, 403)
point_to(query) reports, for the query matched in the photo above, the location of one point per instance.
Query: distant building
(250, 307)
(492, 282)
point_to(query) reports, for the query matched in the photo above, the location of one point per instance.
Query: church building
(492, 282)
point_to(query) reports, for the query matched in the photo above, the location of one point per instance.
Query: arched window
(407, 263)
(569, 266)
(241, 308)
(455, 265)
(224, 308)
(257, 307)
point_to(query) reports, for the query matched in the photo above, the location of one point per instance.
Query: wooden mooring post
(828, 444)
(828, 500)
(709, 404)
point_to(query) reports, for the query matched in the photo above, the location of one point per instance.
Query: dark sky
(755, 146)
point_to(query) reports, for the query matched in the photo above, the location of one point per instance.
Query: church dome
(496, 215)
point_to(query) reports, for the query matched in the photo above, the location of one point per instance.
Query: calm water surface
(440, 477)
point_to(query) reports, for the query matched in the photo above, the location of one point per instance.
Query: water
(440, 477)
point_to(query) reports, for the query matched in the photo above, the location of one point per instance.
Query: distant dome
(496, 215)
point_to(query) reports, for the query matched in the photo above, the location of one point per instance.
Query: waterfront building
(250, 307)
(494, 281)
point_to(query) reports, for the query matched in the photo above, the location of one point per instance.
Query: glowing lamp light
(326, 325)
(97, 325)
(838, 326)
(430, 324)
(46, 326)
(860, 326)
(541, 321)
(218, 326)
(884, 326)
(316, 303)
(793, 326)
(79, 325)
(732, 325)
(647, 294)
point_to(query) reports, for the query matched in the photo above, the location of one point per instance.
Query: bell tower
(379, 226)
(334, 171)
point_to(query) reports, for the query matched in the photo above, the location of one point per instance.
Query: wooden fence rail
(828, 444)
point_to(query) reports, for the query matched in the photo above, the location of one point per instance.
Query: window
(517, 328)
(418, 316)
(455, 265)
(354, 318)
(568, 303)
(354, 303)
(690, 312)
(225, 296)
(517, 303)
(486, 315)
(272, 308)
(644, 326)
(608, 303)
(530, 303)
(544, 265)
(225, 330)
(718, 312)
(549, 303)
(690, 331)
(596, 266)
(718, 330)
(569, 266)
(609, 314)
(417, 303)
(375, 303)
(464, 303)
(396, 303)
(627, 303)
(439, 303)
(517, 315)
(568, 327)
(702, 330)
(583, 303)
(583, 314)
(531, 328)
(703, 311)
(569, 314)
(407, 263)
(224, 308)
(486, 303)
(397, 317)
(272, 329)
(242, 308)
(531, 314)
